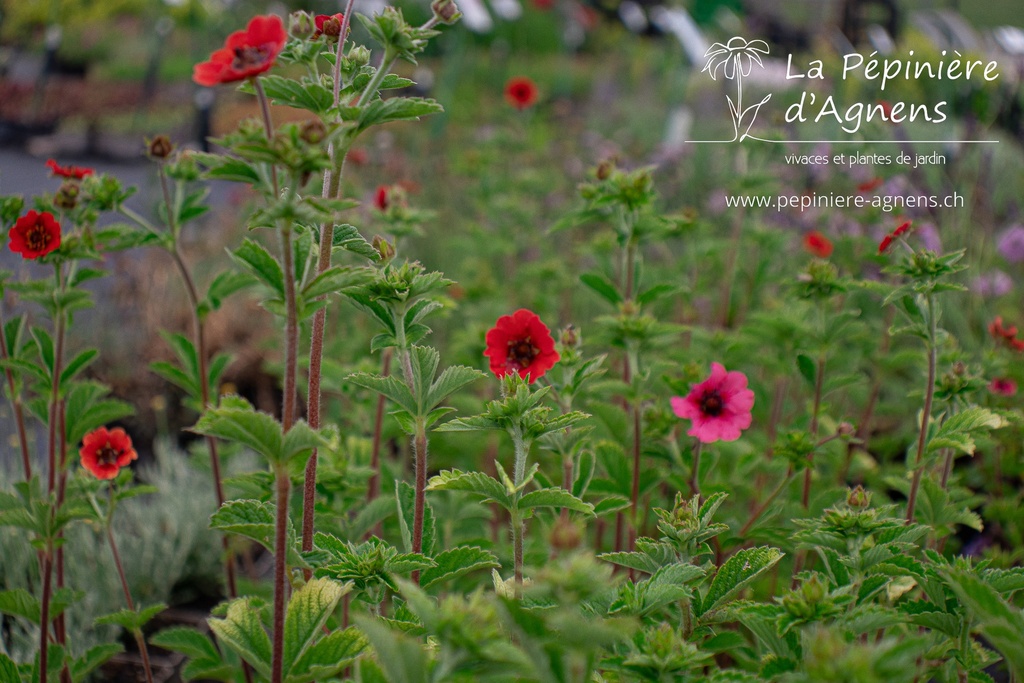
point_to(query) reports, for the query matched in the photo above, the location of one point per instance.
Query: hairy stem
(521, 448)
(420, 447)
(139, 639)
(695, 471)
(373, 486)
(284, 486)
(756, 514)
(819, 379)
(929, 396)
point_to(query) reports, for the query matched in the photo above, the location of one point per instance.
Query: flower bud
(446, 11)
(604, 169)
(300, 24)
(159, 147)
(184, 167)
(565, 535)
(858, 498)
(570, 337)
(67, 196)
(358, 56)
(384, 248)
(845, 429)
(313, 132)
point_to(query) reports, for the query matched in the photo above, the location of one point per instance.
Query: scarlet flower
(719, 407)
(75, 172)
(105, 452)
(887, 241)
(521, 343)
(886, 109)
(380, 198)
(818, 244)
(870, 185)
(521, 92)
(35, 234)
(1003, 386)
(245, 53)
(544, 5)
(1005, 334)
(328, 25)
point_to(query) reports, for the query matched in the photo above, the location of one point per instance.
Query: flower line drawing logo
(736, 59)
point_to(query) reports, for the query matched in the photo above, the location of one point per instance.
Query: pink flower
(719, 406)
(1003, 386)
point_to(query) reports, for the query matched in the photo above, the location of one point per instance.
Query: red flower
(76, 172)
(1003, 386)
(521, 92)
(328, 25)
(245, 53)
(544, 5)
(818, 244)
(719, 407)
(521, 343)
(380, 198)
(888, 239)
(35, 234)
(1005, 334)
(886, 109)
(105, 452)
(870, 185)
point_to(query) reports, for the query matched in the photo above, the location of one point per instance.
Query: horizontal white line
(851, 142)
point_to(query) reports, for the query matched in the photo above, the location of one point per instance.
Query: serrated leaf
(737, 573)
(349, 238)
(471, 482)
(808, 368)
(131, 620)
(378, 111)
(93, 659)
(390, 386)
(457, 562)
(405, 498)
(259, 262)
(403, 659)
(242, 631)
(554, 498)
(959, 430)
(308, 611)
(187, 641)
(600, 284)
(255, 520)
(328, 656)
(999, 621)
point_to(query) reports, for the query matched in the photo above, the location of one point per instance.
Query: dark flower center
(37, 237)
(711, 403)
(521, 353)
(107, 455)
(521, 92)
(250, 56)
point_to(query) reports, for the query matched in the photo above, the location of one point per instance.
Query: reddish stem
(143, 650)
(373, 486)
(283, 485)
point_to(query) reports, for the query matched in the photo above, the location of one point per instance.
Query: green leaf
(86, 408)
(76, 365)
(308, 611)
(808, 368)
(471, 482)
(378, 111)
(327, 657)
(8, 670)
(604, 288)
(405, 498)
(336, 279)
(259, 262)
(554, 498)
(403, 659)
(738, 572)
(254, 520)
(226, 284)
(999, 621)
(960, 430)
(390, 386)
(242, 631)
(304, 94)
(187, 641)
(451, 564)
(20, 603)
(93, 659)
(451, 380)
(131, 620)
(349, 238)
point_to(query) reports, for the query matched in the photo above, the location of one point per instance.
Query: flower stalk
(929, 397)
